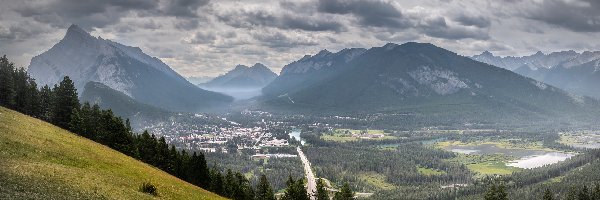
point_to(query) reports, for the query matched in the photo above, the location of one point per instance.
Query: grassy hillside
(41, 161)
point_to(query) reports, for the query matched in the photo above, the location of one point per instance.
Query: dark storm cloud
(437, 27)
(257, 18)
(184, 8)
(477, 21)
(575, 15)
(87, 13)
(20, 32)
(93, 13)
(369, 12)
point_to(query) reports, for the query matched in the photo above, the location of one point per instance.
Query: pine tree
(583, 194)
(76, 124)
(65, 101)
(345, 193)
(46, 103)
(496, 192)
(321, 193)
(231, 185)
(217, 184)
(548, 195)
(596, 191)
(6, 83)
(264, 190)
(295, 190)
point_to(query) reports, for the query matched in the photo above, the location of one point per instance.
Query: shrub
(149, 189)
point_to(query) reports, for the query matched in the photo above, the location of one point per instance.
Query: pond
(295, 133)
(535, 161)
(493, 149)
(528, 158)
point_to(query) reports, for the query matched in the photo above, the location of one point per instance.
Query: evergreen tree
(217, 184)
(46, 103)
(583, 194)
(345, 193)
(496, 192)
(65, 101)
(76, 124)
(295, 190)
(231, 185)
(321, 193)
(6, 83)
(548, 195)
(264, 190)
(596, 191)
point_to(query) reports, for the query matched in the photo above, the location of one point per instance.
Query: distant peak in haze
(242, 76)
(241, 67)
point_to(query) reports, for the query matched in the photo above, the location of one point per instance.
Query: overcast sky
(207, 38)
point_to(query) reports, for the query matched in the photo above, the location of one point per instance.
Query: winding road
(311, 184)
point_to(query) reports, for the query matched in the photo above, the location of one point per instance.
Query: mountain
(414, 78)
(126, 69)
(568, 70)
(122, 105)
(42, 161)
(243, 76)
(242, 82)
(199, 79)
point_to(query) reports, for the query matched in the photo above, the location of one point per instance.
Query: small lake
(528, 159)
(493, 149)
(295, 133)
(535, 161)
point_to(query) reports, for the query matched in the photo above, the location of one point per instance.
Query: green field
(376, 180)
(41, 161)
(429, 171)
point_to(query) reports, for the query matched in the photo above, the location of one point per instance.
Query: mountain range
(242, 82)
(123, 68)
(568, 70)
(414, 78)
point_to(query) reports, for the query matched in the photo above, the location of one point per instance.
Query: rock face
(568, 70)
(412, 77)
(123, 68)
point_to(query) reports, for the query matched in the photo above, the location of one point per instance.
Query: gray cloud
(61, 13)
(369, 12)
(279, 40)
(576, 15)
(263, 18)
(203, 38)
(184, 8)
(437, 27)
(477, 21)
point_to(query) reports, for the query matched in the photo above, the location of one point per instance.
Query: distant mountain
(126, 69)
(568, 70)
(196, 80)
(243, 76)
(122, 105)
(242, 82)
(414, 78)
